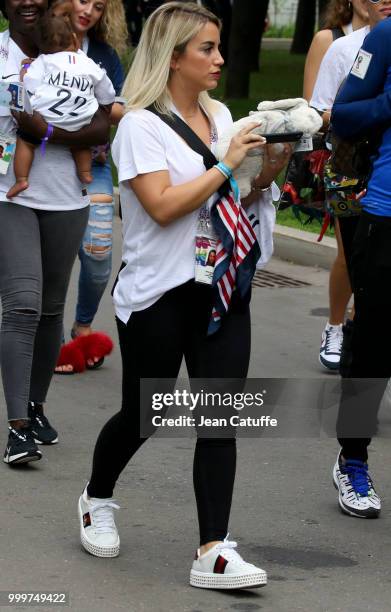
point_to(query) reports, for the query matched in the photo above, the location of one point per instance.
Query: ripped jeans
(37, 251)
(95, 253)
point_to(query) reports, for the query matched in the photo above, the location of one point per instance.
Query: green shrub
(285, 31)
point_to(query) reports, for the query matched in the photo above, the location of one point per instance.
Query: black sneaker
(43, 432)
(21, 446)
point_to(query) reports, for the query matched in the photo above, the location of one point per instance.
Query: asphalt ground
(284, 514)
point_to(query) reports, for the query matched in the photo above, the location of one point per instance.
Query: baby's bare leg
(83, 160)
(23, 160)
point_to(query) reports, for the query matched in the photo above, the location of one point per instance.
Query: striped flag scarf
(237, 254)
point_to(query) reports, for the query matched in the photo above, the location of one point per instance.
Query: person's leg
(340, 290)
(95, 255)
(23, 160)
(20, 289)
(365, 364)
(61, 233)
(151, 347)
(348, 227)
(223, 355)
(83, 160)
(339, 295)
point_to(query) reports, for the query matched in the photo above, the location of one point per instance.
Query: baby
(66, 87)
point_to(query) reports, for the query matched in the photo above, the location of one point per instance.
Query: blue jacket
(363, 107)
(106, 57)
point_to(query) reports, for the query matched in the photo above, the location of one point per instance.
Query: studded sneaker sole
(205, 580)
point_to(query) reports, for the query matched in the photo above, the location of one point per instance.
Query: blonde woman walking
(163, 314)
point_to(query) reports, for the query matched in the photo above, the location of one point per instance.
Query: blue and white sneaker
(357, 496)
(331, 346)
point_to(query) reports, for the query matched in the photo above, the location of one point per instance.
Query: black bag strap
(192, 140)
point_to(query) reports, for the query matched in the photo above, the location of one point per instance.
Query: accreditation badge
(205, 249)
(12, 95)
(361, 64)
(7, 151)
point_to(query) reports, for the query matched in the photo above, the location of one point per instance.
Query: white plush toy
(292, 115)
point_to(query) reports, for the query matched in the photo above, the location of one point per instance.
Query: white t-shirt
(160, 258)
(67, 88)
(335, 67)
(54, 184)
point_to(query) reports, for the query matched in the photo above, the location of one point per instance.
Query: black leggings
(365, 352)
(153, 344)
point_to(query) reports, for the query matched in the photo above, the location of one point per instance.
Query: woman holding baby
(40, 233)
(166, 307)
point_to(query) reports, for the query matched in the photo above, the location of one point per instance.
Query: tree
(305, 25)
(248, 17)
(257, 34)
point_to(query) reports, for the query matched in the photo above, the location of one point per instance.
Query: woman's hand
(25, 65)
(273, 163)
(240, 144)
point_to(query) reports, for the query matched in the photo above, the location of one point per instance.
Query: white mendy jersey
(67, 87)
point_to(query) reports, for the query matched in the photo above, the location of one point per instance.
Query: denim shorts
(103, 180)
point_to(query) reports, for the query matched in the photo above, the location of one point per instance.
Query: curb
(296, 246)
(302, 248)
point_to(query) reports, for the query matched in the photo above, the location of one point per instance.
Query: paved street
(284, 514)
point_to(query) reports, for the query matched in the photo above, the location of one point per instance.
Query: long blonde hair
(111, 27)
(168, 29)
